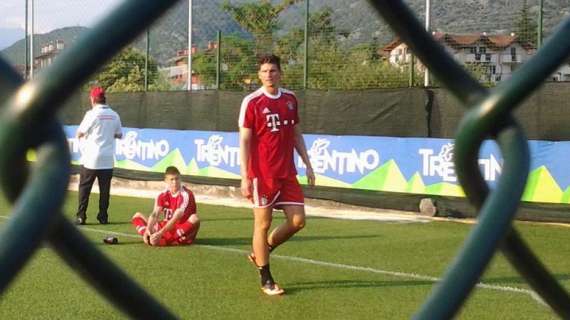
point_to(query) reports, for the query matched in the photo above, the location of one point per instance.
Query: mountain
(453, 16)
(10, 35)
(170, 33)
(16, 53)
(354, 19)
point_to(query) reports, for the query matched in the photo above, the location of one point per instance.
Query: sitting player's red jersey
(183, 200)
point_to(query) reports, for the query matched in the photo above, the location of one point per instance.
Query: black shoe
(103, 220)
(79, 221)
(111, 240)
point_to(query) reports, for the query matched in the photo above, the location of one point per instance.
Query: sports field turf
(333, 269)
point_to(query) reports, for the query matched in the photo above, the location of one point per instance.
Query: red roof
(390, 46)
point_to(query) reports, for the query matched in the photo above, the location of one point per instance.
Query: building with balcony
(177, 71)
(492, 57)
(48, 53)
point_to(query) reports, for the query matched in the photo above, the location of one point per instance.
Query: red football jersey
(272, 119)
(169, 203)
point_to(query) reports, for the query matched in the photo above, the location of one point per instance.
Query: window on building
(488, 57)
(514, 54)
(482, 50)
(472, 49)
(478, 56)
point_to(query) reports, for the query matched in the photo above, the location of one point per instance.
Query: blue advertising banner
(412, 165)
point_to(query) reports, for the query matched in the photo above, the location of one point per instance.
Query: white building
(562, 74)
(48, 53)
(495, 57)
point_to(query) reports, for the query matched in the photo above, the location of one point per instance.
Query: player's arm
(244, 154)
(152, 221)
(119, 129)
(302, 151)
(153, 218)
(84, 126)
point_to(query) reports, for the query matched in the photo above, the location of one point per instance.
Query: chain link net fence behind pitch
(349, 49)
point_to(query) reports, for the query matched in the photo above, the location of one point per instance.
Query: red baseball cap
(97, 92)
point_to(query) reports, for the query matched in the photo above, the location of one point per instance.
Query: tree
(238, 64)
(332, 65)
(526, 26)
(204, 65)
(126, 73)
(261, 19)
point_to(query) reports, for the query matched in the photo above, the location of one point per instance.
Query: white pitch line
(481, 285)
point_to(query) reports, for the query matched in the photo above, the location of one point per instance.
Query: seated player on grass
(180, 222)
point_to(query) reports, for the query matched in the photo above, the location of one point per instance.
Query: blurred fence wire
(344, 47)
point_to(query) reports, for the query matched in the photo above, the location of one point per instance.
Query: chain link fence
(348, 46)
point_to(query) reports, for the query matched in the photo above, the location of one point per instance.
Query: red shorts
(177, 236)
(270, 192)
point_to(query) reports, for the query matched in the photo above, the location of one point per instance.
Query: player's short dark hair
(269, 58)
(172, 170)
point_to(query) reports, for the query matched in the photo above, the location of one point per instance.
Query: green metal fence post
(540, 22)
(411, 75)
(146, 57)
(218, 58)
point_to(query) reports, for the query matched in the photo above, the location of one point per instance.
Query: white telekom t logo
(273, 121)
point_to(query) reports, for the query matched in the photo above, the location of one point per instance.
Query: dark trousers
(86, 180)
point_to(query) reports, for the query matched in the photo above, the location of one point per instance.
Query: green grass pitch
(333, 269)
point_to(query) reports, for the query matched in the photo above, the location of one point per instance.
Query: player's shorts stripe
(255, 192)
(257, 205)
(289, 203)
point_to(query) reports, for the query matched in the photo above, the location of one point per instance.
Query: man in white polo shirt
(98, 130)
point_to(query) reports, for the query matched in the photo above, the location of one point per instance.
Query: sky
(54, 14)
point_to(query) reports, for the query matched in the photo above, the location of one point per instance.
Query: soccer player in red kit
(180, 222)
(269, 134)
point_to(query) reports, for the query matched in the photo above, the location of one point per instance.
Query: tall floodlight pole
(26, 41)
(428, 27)
(540, 21)
(32, 14)
(189, 76)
